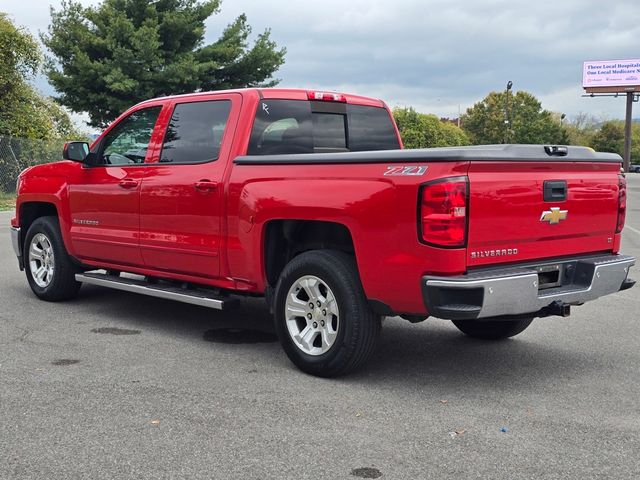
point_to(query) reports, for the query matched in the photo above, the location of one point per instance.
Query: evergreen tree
(108, 57)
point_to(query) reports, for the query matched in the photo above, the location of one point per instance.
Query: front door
(182, 193)
(104, 199)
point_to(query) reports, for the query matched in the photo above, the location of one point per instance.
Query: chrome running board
(167, 291)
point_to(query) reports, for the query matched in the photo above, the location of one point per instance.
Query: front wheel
(322, 317)
(49, 268)
(492, 329)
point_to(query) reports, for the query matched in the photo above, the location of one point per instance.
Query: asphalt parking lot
(114, 385)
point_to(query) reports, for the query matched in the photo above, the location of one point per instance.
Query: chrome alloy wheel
(41, 260)
(312, 315)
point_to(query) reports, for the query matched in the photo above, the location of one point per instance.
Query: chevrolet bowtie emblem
(553, 216)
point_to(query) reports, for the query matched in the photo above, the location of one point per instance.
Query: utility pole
(507, 119)
(627, 133)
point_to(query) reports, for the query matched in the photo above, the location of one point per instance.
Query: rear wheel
(322, 317)
(49, 268)
(492, 329)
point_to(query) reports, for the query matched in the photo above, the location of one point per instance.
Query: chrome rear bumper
(515, 290)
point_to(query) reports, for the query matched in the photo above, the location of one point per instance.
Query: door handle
(554, 191)
(206, 185)
(128, 183)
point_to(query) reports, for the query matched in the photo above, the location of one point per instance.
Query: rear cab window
(299, 126)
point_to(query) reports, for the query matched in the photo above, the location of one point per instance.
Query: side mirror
(75, 151)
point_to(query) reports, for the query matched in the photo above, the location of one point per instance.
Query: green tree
(610, 137)
(19, 57)
(419, 130)
(635, 143)
(505, 117)
(24, 113)
(452, 135)
(581, 129)
(107, 57)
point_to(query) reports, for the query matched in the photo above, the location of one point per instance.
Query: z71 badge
(414, 171)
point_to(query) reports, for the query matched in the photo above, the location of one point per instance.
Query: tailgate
(512, 218)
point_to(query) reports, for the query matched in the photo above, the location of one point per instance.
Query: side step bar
(194, 297)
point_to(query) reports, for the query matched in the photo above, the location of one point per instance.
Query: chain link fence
(16, 154)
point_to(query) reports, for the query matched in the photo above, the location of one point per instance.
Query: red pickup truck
(307, 198)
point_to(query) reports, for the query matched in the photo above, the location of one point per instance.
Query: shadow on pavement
(430, 353)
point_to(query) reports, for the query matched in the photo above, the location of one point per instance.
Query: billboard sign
(610, 74)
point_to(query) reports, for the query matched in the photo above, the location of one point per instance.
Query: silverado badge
(553, 216)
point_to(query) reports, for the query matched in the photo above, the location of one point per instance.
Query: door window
(194, 133)
(127, 143)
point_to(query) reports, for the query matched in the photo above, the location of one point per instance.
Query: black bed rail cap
(486, 153)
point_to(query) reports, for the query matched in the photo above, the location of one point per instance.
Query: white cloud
(571, 101)
(434, 55)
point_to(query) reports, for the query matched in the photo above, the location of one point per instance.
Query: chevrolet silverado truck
(308, 199)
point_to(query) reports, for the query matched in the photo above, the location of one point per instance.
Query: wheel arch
(285, 239)
(29, 211)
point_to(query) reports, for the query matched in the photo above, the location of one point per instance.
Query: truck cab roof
(273, 93)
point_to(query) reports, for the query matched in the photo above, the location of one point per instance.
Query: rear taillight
(622, 202)
(443, 212)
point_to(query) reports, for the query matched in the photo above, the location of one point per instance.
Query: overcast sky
(436, 55)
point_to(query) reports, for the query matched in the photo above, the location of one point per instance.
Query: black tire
(63, 285)
(492, 329)
(359, 327)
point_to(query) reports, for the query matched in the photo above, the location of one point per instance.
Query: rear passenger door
(182, 195)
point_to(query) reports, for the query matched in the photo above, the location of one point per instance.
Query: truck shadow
(433, 353)
(436, 353)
